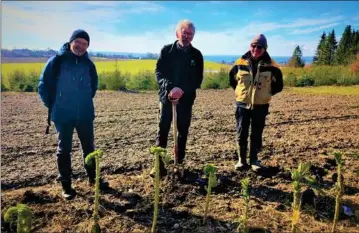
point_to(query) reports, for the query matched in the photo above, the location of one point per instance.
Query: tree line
(329, 51)
(28, 53)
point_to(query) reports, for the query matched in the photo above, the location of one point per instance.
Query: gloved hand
(175, 94)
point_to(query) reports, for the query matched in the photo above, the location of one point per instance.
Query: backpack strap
(55, 72)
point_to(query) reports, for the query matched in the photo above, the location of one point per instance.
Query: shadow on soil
(316, 119)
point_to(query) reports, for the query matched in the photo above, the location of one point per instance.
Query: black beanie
(79, 33)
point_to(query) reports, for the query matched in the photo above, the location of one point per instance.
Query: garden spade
(174, 115)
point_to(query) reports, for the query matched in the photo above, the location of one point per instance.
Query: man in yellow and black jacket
(255, 77)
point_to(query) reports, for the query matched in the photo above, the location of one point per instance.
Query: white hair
(185, 22)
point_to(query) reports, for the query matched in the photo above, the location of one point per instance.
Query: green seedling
(22, 215)
(243, 220)
(338, 188)
(95, 156)
(210, 172)
(158, 152)
(301, 178)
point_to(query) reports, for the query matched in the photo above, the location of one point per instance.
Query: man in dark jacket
(179, 72)
(67, 87)
(255, 77)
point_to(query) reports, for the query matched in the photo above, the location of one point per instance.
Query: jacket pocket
(263, 89)
(244, 79)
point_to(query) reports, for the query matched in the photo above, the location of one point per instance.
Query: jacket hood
(65, 49)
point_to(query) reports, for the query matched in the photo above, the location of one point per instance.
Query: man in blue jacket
(67, 87)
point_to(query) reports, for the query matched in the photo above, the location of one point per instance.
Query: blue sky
(224, 28)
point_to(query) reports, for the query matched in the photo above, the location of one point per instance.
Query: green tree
(296, 59)
(342, 54)
(332, 46)
(354, 49)
(320, 53)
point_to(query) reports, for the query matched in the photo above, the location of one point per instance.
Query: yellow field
(327, 90)
(132, 66)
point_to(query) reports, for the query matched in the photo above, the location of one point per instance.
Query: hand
(175, 93)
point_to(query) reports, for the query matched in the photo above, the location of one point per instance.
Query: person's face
(185, 36)
(79, 46)
(257, 50)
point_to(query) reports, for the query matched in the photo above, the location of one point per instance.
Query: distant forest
(10, 53)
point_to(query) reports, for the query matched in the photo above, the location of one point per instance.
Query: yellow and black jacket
(255, 82)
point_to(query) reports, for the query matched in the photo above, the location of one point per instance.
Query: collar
(265, 58)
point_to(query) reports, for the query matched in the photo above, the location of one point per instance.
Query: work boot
(103, 183)
(242, 162)
(67, 191)
(179, 169)
(163, 170)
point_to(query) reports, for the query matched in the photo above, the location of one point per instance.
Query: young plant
(96, 155)
(338, 188)
(21, 214)
(242, 227)
(301, 177)
(158, 152)
(209, 171)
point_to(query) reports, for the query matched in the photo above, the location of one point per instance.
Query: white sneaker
(256, 166)
(239, 165)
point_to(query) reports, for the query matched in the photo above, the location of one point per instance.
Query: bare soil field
(299, 128)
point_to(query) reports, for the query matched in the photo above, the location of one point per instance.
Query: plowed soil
(299, 128)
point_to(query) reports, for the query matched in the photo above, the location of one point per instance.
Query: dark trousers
(256, 119)
(184, 114)
(85, 132)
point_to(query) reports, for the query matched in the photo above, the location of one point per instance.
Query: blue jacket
(76, 84)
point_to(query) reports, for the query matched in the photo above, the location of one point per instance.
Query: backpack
(56, 72)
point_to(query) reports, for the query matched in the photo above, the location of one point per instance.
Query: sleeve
(232, 77)
(94, 80)
(277, 81)
(46, 83)
(200, 70)
(163, 80)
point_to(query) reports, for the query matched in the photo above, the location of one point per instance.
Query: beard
(185, 42)
(79, 52)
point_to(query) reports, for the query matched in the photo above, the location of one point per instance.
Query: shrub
(22, 215)
(216, 80)
(17, 80)
(158, 152)
(290, 79)
(209, 171)
(305, 80)
(89, 160)
(243, 220)
(112, 80)
(143, 80)
(3, 85)
(354, 67)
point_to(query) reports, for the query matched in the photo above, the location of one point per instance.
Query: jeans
(85, 132)
(256, 119)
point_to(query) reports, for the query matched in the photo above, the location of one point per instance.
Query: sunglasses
(257, 46)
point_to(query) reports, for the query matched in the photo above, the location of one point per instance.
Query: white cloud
(314, 29)
(53, 25)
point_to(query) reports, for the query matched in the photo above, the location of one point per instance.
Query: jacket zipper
(256, 79)
(78, 105)
(250, 105)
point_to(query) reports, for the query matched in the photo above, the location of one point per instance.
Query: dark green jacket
(169, 70)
